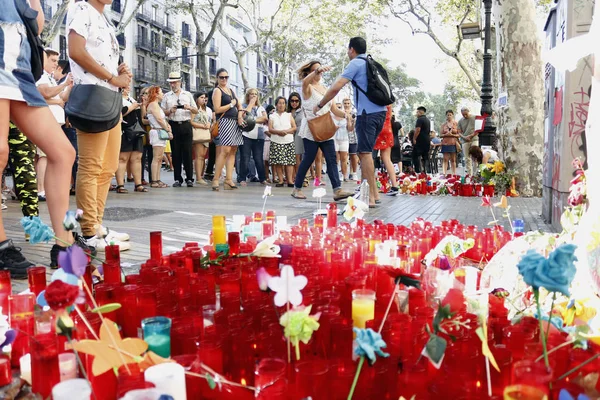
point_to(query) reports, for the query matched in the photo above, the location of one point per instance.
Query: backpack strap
(356, 84)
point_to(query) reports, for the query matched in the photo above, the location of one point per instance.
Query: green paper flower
(299, 326)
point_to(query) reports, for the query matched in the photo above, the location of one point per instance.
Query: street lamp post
(488, 136)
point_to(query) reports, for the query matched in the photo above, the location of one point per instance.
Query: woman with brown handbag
(201, 136)
(317, 130)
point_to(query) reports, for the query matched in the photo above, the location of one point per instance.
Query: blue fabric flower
(368, 344)
(71, 220)
(554, 274)
(565, 395)
(73, 261)
(37, 230)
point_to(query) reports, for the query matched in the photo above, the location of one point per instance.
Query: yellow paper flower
(497, 167)
(489, 166)
(299, 326)
(576, 309)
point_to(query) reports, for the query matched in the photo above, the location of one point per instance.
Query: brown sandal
(140, 188)
(121, 189)
(157, 185)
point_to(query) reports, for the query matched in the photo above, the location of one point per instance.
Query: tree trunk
(123, 24)
(53, 26)
(201, 52)
(521, 77)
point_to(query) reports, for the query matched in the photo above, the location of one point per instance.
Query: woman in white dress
(312, 92)
(282, 153)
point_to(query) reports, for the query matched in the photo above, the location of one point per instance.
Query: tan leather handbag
(322, 127)
(214, 129)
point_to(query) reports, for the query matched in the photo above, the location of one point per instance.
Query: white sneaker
(100, 244)
(114, 235)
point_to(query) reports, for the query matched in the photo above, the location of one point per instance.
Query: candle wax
(160, 344)
(363, 310)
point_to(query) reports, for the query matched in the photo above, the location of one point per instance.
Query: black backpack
(378, 84)
(29, 17)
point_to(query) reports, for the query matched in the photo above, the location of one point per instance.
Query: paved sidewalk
(184, 215)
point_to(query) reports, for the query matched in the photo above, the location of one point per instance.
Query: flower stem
(536, 293)
(389, 306)
(355, 381)
(550, 315)
(583, 364)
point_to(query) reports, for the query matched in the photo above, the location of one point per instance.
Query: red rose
(60, 295)
(456, 300)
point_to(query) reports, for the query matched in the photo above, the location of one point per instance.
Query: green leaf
(442, 314)
(436, 347)
(106, 308)
(211, 382)
(408, 281)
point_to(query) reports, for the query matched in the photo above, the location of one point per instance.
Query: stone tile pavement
(184, 214)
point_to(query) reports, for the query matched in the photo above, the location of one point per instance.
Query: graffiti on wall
(577, 120)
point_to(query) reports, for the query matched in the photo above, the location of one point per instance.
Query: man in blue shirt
(370, 118)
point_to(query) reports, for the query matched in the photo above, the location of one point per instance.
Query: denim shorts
(353, 148)
(368, 127)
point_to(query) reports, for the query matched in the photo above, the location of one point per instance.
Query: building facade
(157, 40)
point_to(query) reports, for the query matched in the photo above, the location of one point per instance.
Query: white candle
(73, 389)
(25, 366)
(67, 364)
(168, 378)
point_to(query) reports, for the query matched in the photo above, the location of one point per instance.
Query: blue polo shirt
(357, 70)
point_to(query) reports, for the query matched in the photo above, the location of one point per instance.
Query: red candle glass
(5, 289)
(270, 379)
(531, 373)
(22, 319)
(45, 371)
(156, 246)
(311, 379)
(37, 279)
(112, 254)
(331, 215)
(130, 377)
(233, 239)
(5, 371)
(112, 272)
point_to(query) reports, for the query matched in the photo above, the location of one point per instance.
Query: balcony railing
(213, 50)
(143, 43)
(143, 15)
(159, 48)
(148, 76)
(159, 21)
(169, 27)
(186, 60)
(212, 70)
(186, 34)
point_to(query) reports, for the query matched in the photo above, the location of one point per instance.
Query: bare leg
(200, 151)
(135, 166)
(230, 164)
(354, 163)
(221, 159)
(386, 157)
(267, 171)
(289, 172)
(344, 163)
(157, 156)
(368, 172)
(445, 163)
(52, 141)
(169, 160)
(123, 161)
(319, 165)
(452, 162)
(40, 170)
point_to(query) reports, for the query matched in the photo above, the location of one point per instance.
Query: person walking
(468, 138)
(371, 116)
(94, 60)
(147, 147)
(282, 127)
(384, 144)
(312, 95)
(421, 141)
(449, 133)
(130, 156)
(157, 122)
(229, 115)
(254, 140)
(179, 105)
(201, 138)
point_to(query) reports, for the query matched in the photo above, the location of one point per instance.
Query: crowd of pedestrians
(58, 142)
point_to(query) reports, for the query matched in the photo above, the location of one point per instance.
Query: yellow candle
(219, 231)
(363, 307)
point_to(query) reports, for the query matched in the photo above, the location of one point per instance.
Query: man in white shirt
(56, 96)
(179, 105)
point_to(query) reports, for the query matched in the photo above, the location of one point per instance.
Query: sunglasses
(224, 77)
(294, 101)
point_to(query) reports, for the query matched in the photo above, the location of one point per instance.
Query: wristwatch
(231, 105)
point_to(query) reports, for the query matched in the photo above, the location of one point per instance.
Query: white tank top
(307, 109)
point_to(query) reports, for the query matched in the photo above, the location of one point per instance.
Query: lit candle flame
(478, 384)
(243, 382)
